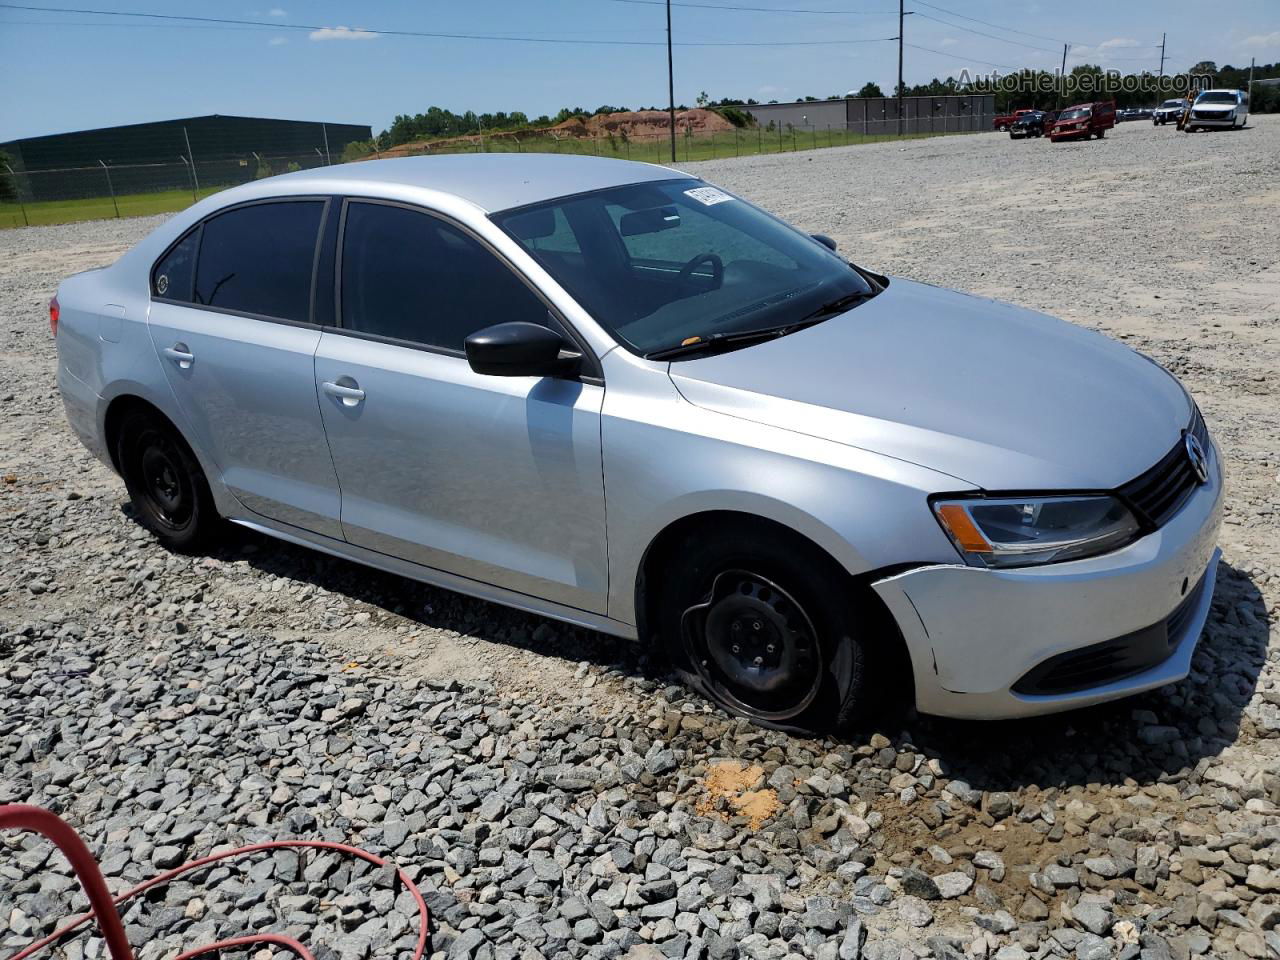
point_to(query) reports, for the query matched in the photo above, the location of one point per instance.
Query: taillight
(53, 315)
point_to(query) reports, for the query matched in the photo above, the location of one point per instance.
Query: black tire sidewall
(825, 599)
(134, 436)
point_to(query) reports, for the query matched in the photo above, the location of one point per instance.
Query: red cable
(21, 816)
(278, 939)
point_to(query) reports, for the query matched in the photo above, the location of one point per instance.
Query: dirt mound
(642, 123)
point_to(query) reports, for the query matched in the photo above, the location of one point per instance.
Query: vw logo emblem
(1195, 455)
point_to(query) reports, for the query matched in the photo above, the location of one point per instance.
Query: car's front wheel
(767, 627)
(169, 491)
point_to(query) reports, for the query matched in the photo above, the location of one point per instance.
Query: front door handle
(180, 354)
(349, 394)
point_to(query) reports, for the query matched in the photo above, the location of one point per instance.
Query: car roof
(491, 181)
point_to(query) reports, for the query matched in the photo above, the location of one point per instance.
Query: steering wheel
(717, 269)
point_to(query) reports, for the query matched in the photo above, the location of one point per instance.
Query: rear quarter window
(174, 273)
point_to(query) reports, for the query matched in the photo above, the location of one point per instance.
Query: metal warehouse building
(872, 115)
(140, 157)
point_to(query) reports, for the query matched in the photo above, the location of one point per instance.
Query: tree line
(1029, 88)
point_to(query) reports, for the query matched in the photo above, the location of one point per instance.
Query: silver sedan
(616, 395)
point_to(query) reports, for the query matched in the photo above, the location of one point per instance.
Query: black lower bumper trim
(1111, 660)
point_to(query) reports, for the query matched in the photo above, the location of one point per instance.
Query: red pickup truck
(1006, 120)
(1084, 120)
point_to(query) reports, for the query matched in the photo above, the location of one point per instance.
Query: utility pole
(195, 179)
(1249, 94)
(1162, 39)
(901, 19)
(1062, 76)
(671, 87)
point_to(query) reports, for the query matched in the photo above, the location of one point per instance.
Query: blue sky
(77, 70)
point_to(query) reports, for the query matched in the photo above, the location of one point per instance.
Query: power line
(943, 53)
(423, 34)
(718, 6)
(60, 24)
(991, 36)
(1000, 26)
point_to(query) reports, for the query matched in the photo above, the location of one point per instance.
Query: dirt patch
(642, 123)
(639, 124)
(729, 790)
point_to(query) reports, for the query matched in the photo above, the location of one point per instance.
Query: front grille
(1158, 494)
(1111, 660)
(1208, 115)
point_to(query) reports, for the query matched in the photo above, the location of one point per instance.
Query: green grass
(46, 212)
(744, 142)
(732, 143)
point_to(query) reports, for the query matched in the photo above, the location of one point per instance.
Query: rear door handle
(180, 354)
(349, 395)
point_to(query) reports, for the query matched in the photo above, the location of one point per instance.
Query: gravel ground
(553, 795)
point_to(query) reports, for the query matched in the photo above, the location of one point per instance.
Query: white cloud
(948, 42)
(1118, 43)
(342, 33)
(277, 12)
(1262, 40)
(278, 41)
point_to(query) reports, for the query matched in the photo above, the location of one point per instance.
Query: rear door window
(259, 259)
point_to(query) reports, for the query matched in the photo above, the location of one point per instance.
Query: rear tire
(169, 491)
(768, 628)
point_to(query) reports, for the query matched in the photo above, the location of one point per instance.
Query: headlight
(1021, 531)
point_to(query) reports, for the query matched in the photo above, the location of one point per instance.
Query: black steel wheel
(763, 623)
(166, 485)
(755, 647)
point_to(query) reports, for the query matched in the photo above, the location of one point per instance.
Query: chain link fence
(103, 189)
(690, 144)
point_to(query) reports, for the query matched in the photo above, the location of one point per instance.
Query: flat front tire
(168, 489)
(767, 630)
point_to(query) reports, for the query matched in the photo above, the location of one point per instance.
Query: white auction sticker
(708, 195)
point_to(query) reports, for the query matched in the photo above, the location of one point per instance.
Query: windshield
(1174, 103)
(1074, 114)
(1222, 97)
(662, 264)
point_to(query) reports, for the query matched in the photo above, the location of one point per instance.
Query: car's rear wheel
(768, 628)
(169, 491)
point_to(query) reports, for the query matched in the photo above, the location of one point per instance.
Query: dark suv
(1030, 124)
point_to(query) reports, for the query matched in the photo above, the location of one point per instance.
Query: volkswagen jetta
(614, 394)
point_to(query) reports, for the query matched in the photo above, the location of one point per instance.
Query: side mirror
(520, 349)
(826, 241)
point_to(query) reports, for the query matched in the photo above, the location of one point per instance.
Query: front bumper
(1228, 120)
(973, 633)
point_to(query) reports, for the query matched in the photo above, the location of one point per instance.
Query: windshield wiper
(838, 305)
(717, 341)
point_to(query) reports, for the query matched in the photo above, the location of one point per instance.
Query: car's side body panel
(492, 478)
(439, 578)
(250, 380)
(666, 459)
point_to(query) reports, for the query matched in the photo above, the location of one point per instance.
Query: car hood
(1000, 397)
(1216, 107)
